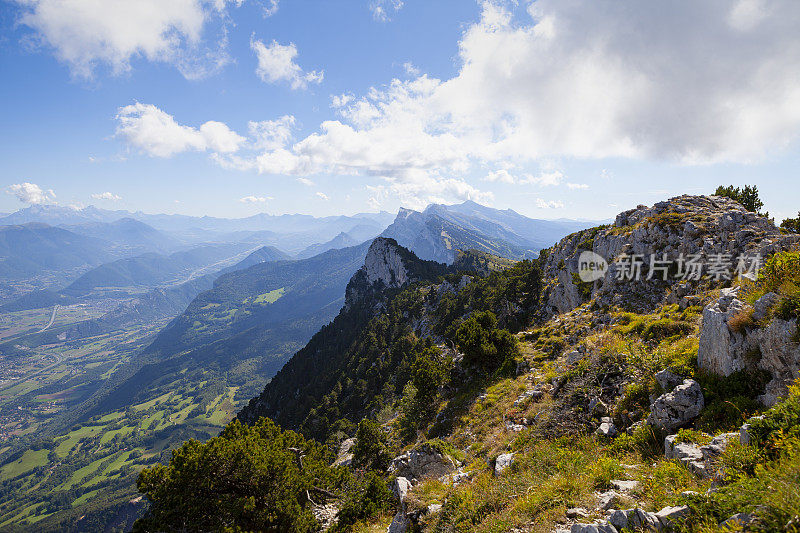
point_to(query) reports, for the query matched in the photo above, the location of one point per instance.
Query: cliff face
(387, 265)
(703, 226)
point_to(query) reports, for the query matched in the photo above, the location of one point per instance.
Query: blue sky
(552, 108)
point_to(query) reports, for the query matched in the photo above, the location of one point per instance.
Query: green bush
(371, 450)
(366, 496)
(254, 478)
(485, 345)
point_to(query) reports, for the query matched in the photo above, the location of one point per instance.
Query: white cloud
(576, 186)
(255, 199)
(276, 63)
(270, 7)
(382, 10)
(502, 176)
(271, 134)
(603, 79)
(322, 196)
(88, 33)
(547, 178)
(410, 69)
(30, 193)
(110, 196)
(305, 181)
(606, 174)
(156, 133)
(565, 81)
(549, 204)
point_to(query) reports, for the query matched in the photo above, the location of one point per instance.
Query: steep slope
(364, 353)
(240, 331)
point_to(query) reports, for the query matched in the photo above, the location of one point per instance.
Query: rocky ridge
(685, 225)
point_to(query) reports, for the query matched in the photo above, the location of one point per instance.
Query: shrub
(371, 450)
(485, 345)
(366, 496)
(252, 477)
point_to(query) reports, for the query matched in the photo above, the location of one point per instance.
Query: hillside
(32, 249)
(153, 269)
(531, 400)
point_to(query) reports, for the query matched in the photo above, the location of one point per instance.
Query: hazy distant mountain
(150, 270)
(343, 240)
(206, 228)
(30, 249)
(128, 235)
(438, 232)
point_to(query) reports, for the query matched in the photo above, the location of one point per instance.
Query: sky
(553, 108)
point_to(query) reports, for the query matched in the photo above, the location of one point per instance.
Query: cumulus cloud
(588, 80)
(255, 199)
(276, 63)
(322, 196)
(88, 33)
(549, 204)
(148, 128)
(576, 186)
(383, 10)
(694, 83)
(110, 196)
(31, 193)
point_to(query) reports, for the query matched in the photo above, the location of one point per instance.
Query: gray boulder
(674, 409)
(607, 428)
(668, 380)
(345, 455)
(721, 349)
(503, 462)
(423, 462)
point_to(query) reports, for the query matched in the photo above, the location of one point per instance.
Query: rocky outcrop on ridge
(686, 225)
(771, 346)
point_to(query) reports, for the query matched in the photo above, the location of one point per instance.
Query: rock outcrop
(686, 225)
(423, 462)
(678, 407)
(764, 343)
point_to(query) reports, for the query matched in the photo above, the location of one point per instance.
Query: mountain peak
(388, 265)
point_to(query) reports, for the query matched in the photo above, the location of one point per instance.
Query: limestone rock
(670, 515)
(624, 486)
(705, 225)
(763, 306)
(721, 349)
(423, 462)
(345, 456)
(503, 462)
(593, 528)
(668, 380)
(577, 512)
(400, 524)
(674, 409)
(717, 446)
(770, 346)
(400, 487)
(607, 428)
